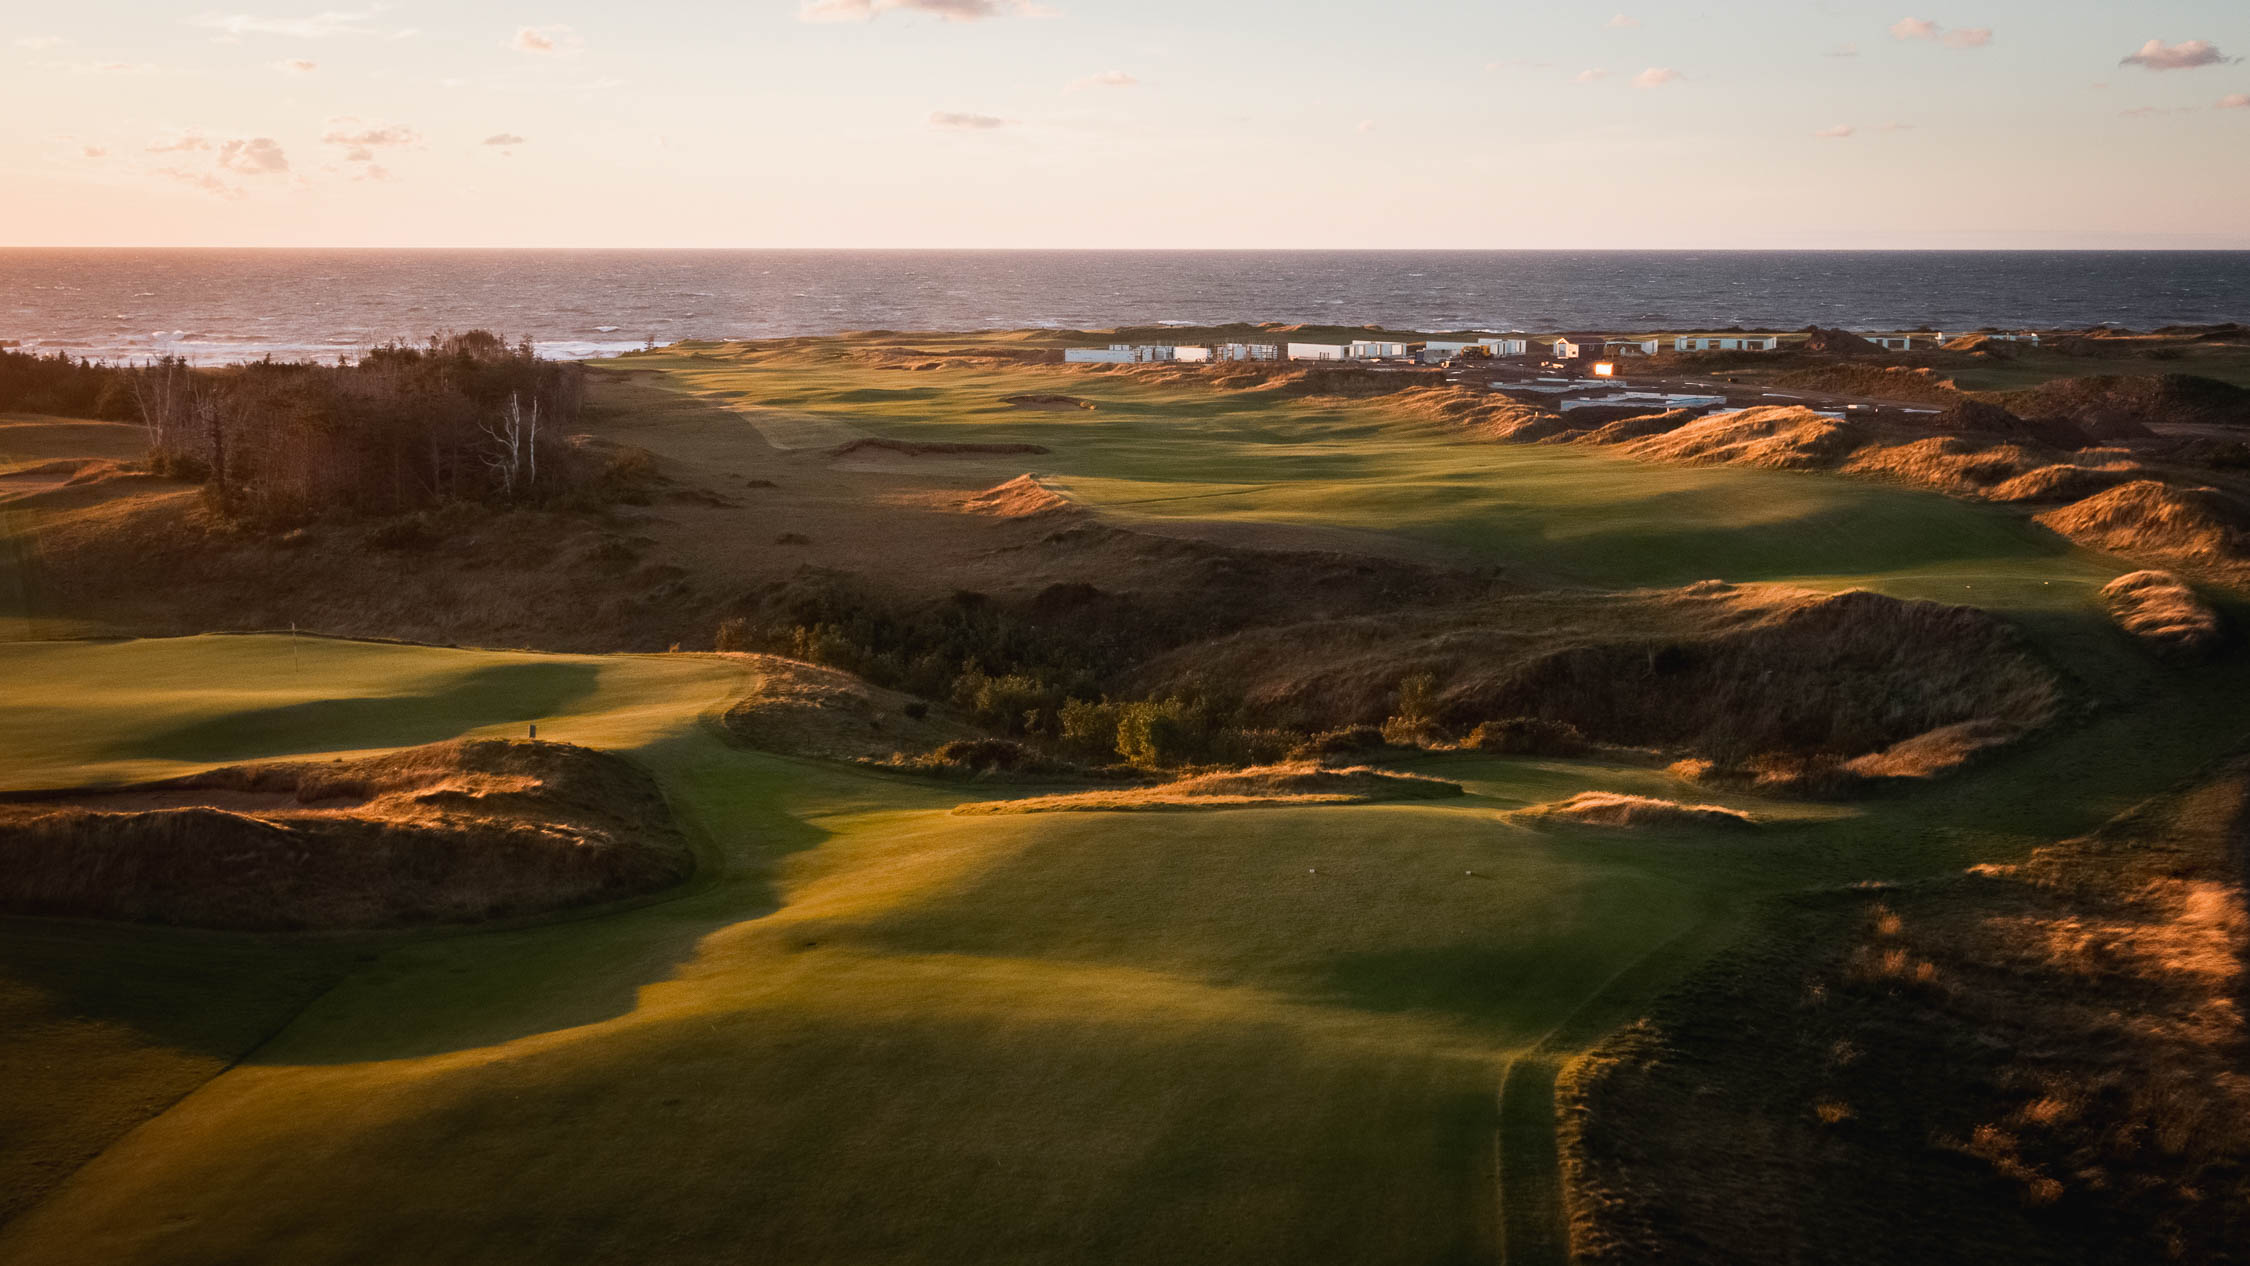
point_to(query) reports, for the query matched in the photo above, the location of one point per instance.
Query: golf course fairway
(871, 1029)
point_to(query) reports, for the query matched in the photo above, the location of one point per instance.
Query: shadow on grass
(488, 696)
(443, 993)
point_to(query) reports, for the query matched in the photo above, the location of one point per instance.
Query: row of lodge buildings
(1436, 351)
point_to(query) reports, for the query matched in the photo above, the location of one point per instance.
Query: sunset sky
(1154, 123)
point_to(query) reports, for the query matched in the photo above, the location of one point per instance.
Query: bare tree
(515, 446)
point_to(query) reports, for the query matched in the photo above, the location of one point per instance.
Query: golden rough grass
(450, 832)
(2162, 610)
(1609, 808)
(1290, 783)
(1773, 438)
(2147, 519)
(2037, 1062)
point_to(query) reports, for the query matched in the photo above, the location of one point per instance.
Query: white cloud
(38, 41)
(1836, 133)
(948, 10)
(1843, 50)
(347, 131)
(2235, 101)
(183, 143)
(2158, 55)
(1622, 22)
(1589, 76)
(259, 156)
(204, 181)
(504, 138)
(1656, 77)
(296, 66)
(1968, 37)
(1106, 79)
(547, 39)
(111, 68)
(1914, 29)
(958, 122)
(315, 27)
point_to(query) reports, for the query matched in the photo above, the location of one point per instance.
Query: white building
(1130, 354)
(1377, 349)
(1567, 350)
(1726, 343)
(1631, 347)
(1319, 351)
(1505, 346)
(1248, 351)
(1117, 354)
(1891, 342)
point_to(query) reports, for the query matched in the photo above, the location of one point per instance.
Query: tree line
(462, 417)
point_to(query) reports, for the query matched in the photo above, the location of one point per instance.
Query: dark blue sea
(224, 305)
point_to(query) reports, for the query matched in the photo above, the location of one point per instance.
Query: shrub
(733, 635)
(1528, 736)
(1355, 741)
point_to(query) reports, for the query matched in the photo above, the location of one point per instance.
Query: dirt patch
(1295, 783)
(2162, 610)
(802, 709)
(1607, 808)
(449, 833)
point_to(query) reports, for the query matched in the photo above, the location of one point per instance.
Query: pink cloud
(1656, 77)
(2158, 55)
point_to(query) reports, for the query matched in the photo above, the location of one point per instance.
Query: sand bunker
(1265, 786)
(451, 832)
(1019, 498)
(2160, 609)
(1607, 808)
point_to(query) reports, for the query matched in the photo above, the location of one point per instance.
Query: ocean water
(225, 305)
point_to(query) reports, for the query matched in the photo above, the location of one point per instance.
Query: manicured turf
(1157, 451)
(875, 1031)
